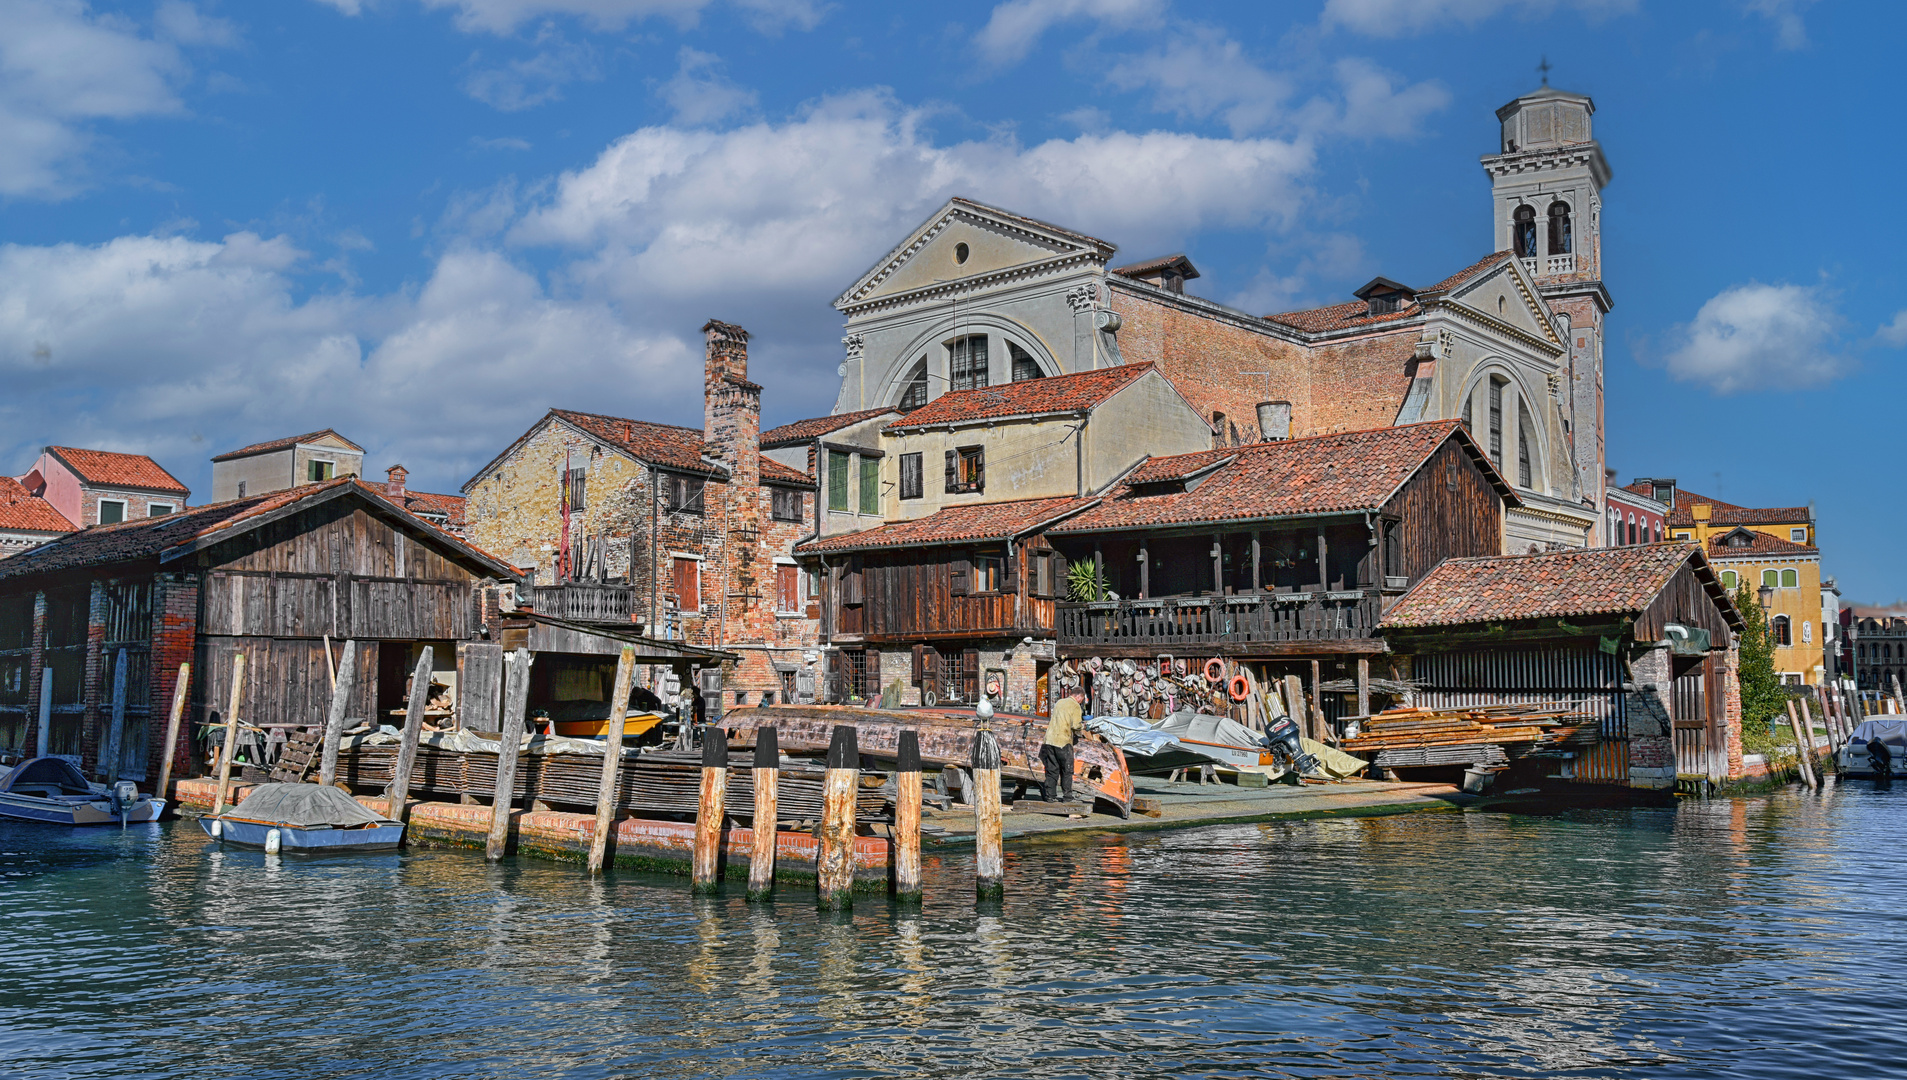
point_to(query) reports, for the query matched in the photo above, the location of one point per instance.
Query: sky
(425, 222)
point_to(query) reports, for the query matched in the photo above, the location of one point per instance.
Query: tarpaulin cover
(304, 806)
(465, 742)
(1891, 732)
(1151, 737)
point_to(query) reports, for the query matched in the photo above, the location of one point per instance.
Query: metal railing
(1179, 621)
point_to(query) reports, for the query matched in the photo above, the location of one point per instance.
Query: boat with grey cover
(303, 817)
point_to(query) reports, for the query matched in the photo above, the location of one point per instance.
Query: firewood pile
(1447, 735)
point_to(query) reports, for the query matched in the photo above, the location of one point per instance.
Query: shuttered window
(837, 480)
(784, 504)
(910, 476)
(688, 584)
(966, 470)
(787, 589)
(870, 485)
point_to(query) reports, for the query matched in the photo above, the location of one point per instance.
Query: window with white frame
(1790, 579)
(1799, 536)
(159, 509)
(112, 511)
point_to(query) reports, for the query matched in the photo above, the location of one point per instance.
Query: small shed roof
(1592, 582)
(116, 469)
(288, 441)
(957, 525)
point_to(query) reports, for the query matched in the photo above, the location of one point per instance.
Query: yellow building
(1773, 546)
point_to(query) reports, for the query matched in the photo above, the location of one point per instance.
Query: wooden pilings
(612, 759)
(989, 855)
(761, 858)
(516, 697)
(172, 727)
(834, 862)
(1804, 748)
(906, 834)
(110, 755)
(231, 733)
(334, 719)
(705, 870)
(397, 798)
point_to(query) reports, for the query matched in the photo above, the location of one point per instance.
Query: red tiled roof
(1760, 545)
(1323, 474)
(774, 472)
(424, 502)
(659, 444)
(120, 470)
(1725, 513)
(805, 430)
(1032, 397)
(148, 538)
(1557, 584)
(957, 524)
(26, 512)
(1341, 316)
(280, 444)
(1153, 266)
(1468, 272)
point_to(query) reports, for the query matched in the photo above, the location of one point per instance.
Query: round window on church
(960, 253)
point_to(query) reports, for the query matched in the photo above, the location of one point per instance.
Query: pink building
(100, 487)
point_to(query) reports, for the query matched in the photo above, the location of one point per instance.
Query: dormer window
(1386, 304)
(1382, 296)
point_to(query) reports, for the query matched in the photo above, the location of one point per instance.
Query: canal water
(1756, 937)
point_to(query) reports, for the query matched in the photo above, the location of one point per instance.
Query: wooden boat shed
(284, 578)
(1642, 638)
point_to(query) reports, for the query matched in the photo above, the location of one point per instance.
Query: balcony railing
(1233, 620)
(586, 602)
(1550, 264)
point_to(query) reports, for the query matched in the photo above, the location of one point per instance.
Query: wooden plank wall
(1449, 509)
(1683, 600)
(286, 681)
(909, 593)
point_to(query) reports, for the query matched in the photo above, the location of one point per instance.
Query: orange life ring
(1240, 687)
(1214, 670)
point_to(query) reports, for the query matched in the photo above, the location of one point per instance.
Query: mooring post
(516, 697)
(1807, 721)
(397, 798)
(612, 759)
(989, 855)
(172, 728)
(116, 723)
(834, 861)
(761, 858)
(711, 813)
(231, 734)
(1803, 746)
(907, 819)
(340, 704)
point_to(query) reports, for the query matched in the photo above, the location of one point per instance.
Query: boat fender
(1214, 670)
(1240, 688)
(218, 828)
(272, 841)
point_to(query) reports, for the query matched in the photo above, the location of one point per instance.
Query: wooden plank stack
(302, 748)
(1471, 734)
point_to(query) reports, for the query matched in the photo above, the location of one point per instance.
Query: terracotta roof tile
(660, 444)
(1557, 584)
(956, 524)
(22, 510)
(424, 502)
(1724, 513)
(806, 430)
(1341, 317)
(1324, 474)
(1032, 397)
(280, 444)
(122, 470)
(774, 472)
(1760, 545)
(1468, 272)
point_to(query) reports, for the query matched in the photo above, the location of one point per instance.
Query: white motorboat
(50, 790)
(1854, 760)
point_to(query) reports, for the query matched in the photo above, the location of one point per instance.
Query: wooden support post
(1317, 703)
(834, 862)
(398, 796)
(1218, 565)
(1324, 569)
(612, 759)
(231, 734)
(172, 728)
(1807, 721)
(1294, 704)
(907, 818)
(110, 751)
(711, 813)
(1900, 703)
(1364, 686)
(989, 855)
(340, 704)
(1804, 748)
(330, 665)
(1145, 571)
(1257, 562)
(761, 858)
(516, 698)
(43, 739)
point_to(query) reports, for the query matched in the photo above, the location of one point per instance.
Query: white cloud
(504, 16)
(1759, 337)
(504, 142)
(1015, 27)
(1374, 106)
(700, 93)
(1398, 18)
(1790, 31)
(1895, 333)
(63, 67)
(536, 80)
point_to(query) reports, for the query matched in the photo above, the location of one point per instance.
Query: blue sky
(423, 222)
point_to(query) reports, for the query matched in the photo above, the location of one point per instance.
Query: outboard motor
(1881, 757)
(1284, 741)
(123, 795)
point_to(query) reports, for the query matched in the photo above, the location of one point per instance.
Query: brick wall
(92, 723)
(36, 666)
(1651, 734)
(1731, 690)
(138, 504)
(175, 628)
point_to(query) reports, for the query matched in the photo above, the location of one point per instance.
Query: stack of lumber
(1472, 734)
(302, 748)
(656, 782)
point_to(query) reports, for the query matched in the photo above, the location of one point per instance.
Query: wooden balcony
(587, 602)
(1260, 624)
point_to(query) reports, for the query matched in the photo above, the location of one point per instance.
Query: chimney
(394, 482)
(1274, 420)
(731, 405)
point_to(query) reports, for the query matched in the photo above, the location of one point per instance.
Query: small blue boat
(303, 817)
(51, 791)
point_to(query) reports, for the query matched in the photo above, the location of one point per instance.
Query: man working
(1056, 753)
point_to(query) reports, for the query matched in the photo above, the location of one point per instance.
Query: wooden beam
(612, 759)
(397, 798)
(340, 704)
(231, 734)
(172, 728)
(516, 697)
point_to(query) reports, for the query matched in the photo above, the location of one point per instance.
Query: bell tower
(1546, 185)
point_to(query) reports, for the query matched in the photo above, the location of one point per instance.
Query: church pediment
(967, 243)
(1506, 297)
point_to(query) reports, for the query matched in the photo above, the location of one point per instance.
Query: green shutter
(870, 485)
(837, 480)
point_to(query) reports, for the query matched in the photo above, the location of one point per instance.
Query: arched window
(1559, 228)
(1024, 366)
(968, 363)
(1525, 446)
(1632, 530)
(1784, 634)
(1790, 579)
(1523, 230)
(916, 393)
(1615, 526)
(1770, 578)
(1729, 579)
(1497, 383)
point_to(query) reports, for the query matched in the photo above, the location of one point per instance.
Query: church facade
(1511, 344)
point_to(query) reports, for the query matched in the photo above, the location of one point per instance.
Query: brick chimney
(394, 478)
(731, 405)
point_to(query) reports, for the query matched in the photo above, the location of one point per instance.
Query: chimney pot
(394, 478)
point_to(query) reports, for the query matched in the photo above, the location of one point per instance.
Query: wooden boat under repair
(946, 738)
(305, 818)
(51, 791)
